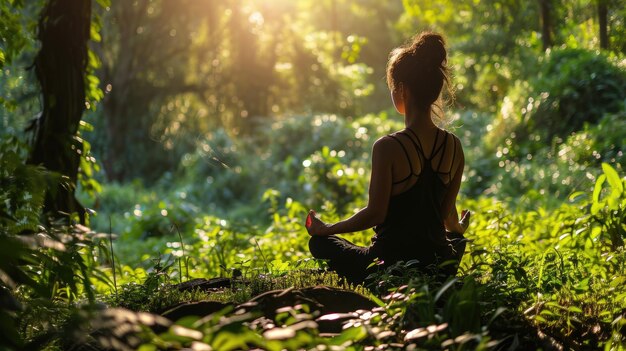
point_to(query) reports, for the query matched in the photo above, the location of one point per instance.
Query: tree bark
(603, 24)
(60, 67)
(546, 23)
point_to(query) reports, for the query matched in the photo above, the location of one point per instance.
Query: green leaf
(377, 301)
(349, 336)
(95, 35)
(497, 313)
(575, 195)
(547, 313)
(575, 309)
(596, 194)
(612, 177)
(445, 287)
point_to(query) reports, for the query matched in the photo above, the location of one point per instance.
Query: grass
(541, 278)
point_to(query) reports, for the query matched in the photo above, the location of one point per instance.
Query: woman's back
(438, 148)
(423, 168)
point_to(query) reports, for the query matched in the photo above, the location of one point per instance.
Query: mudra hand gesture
(465, 220)
(315, 226)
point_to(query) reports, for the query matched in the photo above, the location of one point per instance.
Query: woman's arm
(453, 224)
(448, 209)
(379, 193)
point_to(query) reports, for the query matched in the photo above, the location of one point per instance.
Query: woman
(415, 179)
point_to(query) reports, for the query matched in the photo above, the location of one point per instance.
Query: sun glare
(256, 18)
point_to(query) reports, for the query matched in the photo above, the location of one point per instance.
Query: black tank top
(413, 227)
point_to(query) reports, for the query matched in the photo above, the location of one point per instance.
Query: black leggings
(352, 261)
(348, 260)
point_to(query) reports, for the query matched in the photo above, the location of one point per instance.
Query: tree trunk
(546, 23)
(603, 24)
(60, 67)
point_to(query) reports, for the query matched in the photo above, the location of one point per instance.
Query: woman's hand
(465, 219)
(316, 226)
(454, 225)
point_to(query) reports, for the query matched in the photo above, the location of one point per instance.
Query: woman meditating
(415, 179)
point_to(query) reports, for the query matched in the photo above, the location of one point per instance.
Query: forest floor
(312, 308)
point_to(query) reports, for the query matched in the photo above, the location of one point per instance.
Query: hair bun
(430, 48)
(420, 66)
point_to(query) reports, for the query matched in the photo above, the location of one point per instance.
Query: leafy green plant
(610, 210)
(575, 87)
(44, 269)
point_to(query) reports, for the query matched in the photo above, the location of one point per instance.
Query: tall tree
(60, 67)
(545, 7)
(603, 23)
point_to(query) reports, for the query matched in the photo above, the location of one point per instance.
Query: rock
(199, 309)
(322, 300)
(204, 284)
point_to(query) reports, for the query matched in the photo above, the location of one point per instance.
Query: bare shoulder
(456, 141)
(454, 136)
(385, 143)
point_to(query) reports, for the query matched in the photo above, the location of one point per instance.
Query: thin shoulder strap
(453, 154)
(433, 152)
(443, 151)
(436, 148)
(419, 148)
(411, 174)
(403, 149)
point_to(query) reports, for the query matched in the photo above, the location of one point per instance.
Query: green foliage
(558, 169)
(219, 65)
(88, 167)
(608, 209)
(23, 188)
(539, 144)
(228, 174)
(294, 328)
(44, 269)
(574, 87)
(155, 292)
(565, 253)
(580, 87)
(599, 142)
(327, 159)
(557, 270)
(12, 36)
(18, 87)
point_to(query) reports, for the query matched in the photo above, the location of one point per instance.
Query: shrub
(574, 87)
